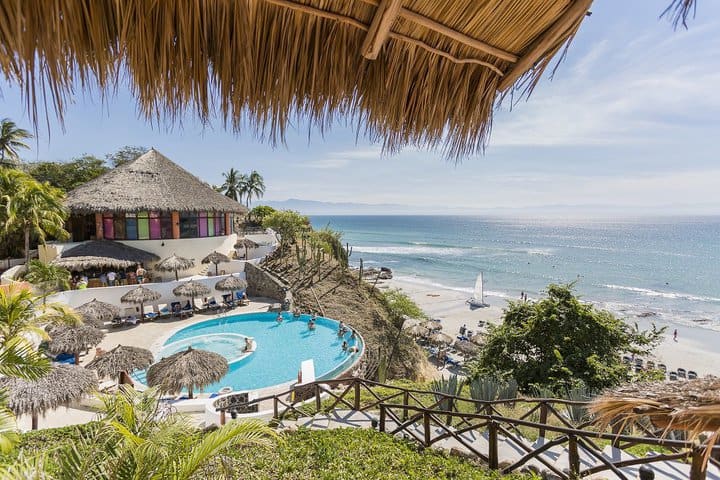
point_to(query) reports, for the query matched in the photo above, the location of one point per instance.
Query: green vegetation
(258, 214)
(11, 139)
(239, 185)
(400, 307)
(560, 342)
(32, 208)
(344, 453)
(68, 175)
(126, 154)
(47, 277)
(288, 224)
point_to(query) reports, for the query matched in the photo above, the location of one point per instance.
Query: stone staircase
(509, 450)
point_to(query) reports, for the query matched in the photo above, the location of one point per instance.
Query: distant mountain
(316, 207)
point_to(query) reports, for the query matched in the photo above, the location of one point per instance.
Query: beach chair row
(638, 364)
(180, 309)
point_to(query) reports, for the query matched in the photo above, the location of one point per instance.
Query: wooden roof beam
(385, 15)
(544, 42)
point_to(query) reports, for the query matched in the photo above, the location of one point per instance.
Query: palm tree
(20, 318)
(255, 187)
(11, 139)
(231, 186)
(47, 277)
(137, 439)
(31, 207)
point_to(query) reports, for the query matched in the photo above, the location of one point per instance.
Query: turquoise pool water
(281, 347)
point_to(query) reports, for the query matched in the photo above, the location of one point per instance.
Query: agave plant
(577, 414)
(484, 389)
(445, 387)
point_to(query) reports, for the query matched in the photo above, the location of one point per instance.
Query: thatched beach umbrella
(417, 331)
(216, 257)
(189, 369)
(478, 339)
(231, 284)
(62, 385)
(191, 289)
(74, 339)
(467, 348)
(440, 338)
(432, 325)
(173, 263)
(140, 295)
(246, 243)
(120, 359)
(96, 312)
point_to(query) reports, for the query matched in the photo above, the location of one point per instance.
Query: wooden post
(34, 421)
(318, 400)
(492, 445)
(356, 405)
(545, 41)
(175, 220)
(543, 418)
(385, 15)
(228, 226)
(698, 465)
(382, 418)
(276, 409)
(616, 431)
(406, 402)
(222, 417)
(98, 226)
(426, 427)
(573, 457)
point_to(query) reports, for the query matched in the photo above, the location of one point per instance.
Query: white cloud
(334, 160)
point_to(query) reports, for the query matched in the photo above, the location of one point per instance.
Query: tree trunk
(34, 425)
(142, 311)
(27, 245)
(176, 276)
(190, 392)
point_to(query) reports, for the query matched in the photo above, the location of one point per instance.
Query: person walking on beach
(675, 335)
(522, 296)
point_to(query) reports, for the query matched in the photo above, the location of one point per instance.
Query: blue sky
(630, 120)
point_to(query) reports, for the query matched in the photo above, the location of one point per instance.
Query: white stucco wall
(75, 298)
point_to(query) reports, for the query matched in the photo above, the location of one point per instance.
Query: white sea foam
(655, 293)
(415, 250)
(441, 286)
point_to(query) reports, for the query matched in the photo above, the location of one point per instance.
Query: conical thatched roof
(174, 263)
(230, 284)
(467, 348)
(246, 243)
(417, 330)
(191, 289)
(96, 312)
(74, 339)
(189, 369)
(410, 72)
(62, 385)
(216, 257)
(140, 294)
(151, 182)
(103, 254)
(439, 337)
(121, 359)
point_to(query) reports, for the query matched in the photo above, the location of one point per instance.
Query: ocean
(664, 269)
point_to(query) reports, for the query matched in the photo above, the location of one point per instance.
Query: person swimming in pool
(279, 318)
(311, 324)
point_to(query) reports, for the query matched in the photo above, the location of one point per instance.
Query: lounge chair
(681, 373)
(68, 358)
(176, 309)
(650, 365)
(627, 359)
(150, 313)
(228, 301)
(692, 375)
(163, 310)
(663, 367)
(187, 310)
(673, 375)
(241, 300)
(213, 304)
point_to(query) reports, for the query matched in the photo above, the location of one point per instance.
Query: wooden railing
(429, 417)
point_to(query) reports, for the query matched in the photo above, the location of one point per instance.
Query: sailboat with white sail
(478, 298)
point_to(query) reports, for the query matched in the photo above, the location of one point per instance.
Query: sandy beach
(697, 349)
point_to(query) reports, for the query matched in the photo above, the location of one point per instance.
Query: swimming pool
(280, 348)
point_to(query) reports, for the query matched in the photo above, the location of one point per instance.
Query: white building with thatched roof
(155, 205)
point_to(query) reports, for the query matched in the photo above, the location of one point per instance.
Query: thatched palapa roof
(191, 288)
(62, 385)
(151, 182)
(230, 284)
(407, 72)
(103, 254)
(122, 358)
(189, 369)
(173, 263)
(74, 339)
(96, 312)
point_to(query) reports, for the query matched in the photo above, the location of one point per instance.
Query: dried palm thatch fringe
(191, 289)
(104, 252)
(230, 284)
(173, 263)
(693, 406)
(263, 64)
(122, 358)
(62, 385)
(679, 11)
